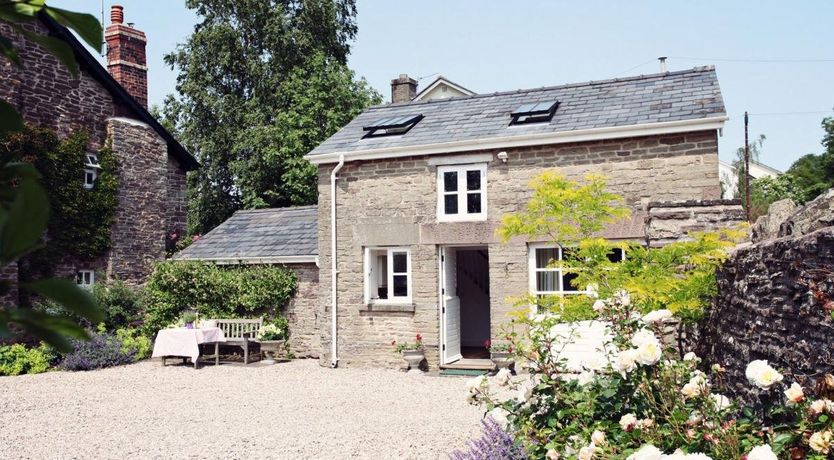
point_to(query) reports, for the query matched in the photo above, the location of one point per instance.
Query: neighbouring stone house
(284, 236)
(111, 105)
(411, 193)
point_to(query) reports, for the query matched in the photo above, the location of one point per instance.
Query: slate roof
(260, 235)
(672, 96)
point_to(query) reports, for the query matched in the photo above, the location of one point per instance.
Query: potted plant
(272, 338)
(412, 353)
(188, 318)
(501, 354)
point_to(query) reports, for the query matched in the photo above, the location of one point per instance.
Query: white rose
(626, 361)
(551, 454)
(717, 368)
(645, 423)
(691, 357)
(647, 452)
(759, 373)
(794, 394)
(597, 438)
(691, 390)
(502, 378)
(818, 407)
(821, 441)
(642, 336)
(622, 297)
(598, 306)
(649, 353)
(720, 402)
(596, 362)
(585, 378)
(676, 455)
(628, 422)
(499, 414)
(525, 394)
(474, 384)
(761, 453)
(657, 316)
(587, 452)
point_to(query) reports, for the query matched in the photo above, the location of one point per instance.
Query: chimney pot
(117, 15)
(663, 68)
(403, 89)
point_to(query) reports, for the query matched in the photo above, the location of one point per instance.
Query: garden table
(185, 343)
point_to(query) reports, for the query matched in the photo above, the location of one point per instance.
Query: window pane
(547, 281)
(473, 180)
(382, 270)
(400, 286)
(473, 203)
(400, 262)
(567, 279)
(450, 181)
(544, 256)
(616, 255)
(450, 204)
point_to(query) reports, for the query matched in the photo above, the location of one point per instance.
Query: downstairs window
(387, 275)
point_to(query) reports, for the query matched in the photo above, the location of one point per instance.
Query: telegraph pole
(746, 167)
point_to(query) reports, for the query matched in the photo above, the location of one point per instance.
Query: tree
(260, 84)
(814, 174)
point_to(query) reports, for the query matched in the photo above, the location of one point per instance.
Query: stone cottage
(411, 193)
(110, 104)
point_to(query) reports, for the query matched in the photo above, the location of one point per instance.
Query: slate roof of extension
(672, 96)
(259, 236)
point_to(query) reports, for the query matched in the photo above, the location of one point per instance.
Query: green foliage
(766, 190)
(214, 292)
(122, 304)
(279, 329)
(134, 343)
(260, 84)
(17, 359)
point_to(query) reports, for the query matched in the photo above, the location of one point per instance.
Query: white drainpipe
(334, 350)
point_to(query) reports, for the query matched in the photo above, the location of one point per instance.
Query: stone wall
(672, 221)
(767, 309)
(176, 203)
(302, 312)
(393, 203)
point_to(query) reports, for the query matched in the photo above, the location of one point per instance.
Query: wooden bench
(241, 333)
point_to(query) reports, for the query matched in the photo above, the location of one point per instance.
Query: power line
(752, 60)
(635, 67)
(769, 114)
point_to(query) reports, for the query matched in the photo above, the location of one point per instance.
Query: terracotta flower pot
(502, 359)
(414, 358)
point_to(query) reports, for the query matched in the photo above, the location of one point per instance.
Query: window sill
(389, 307)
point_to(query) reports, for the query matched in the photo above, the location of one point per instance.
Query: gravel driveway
(289, 410)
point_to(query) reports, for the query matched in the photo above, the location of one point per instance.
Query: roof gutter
(564, 137)
(334, 272)
(278, 260)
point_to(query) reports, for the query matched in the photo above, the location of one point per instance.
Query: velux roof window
(391, 126)
(537, 112)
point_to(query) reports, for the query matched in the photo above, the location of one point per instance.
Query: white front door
(450, 307)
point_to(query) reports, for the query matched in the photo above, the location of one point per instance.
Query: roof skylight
(392, 126)
(536, 112)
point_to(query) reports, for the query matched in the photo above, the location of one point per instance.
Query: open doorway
(465, 305)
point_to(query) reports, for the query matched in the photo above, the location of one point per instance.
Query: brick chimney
(403, 89)
(126, 60)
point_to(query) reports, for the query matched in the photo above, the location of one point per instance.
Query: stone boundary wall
(671, 221)
(766, 308)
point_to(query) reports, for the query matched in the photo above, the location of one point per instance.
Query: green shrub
(133, 342)
(214, 292)
(17, 359)
(121, 304)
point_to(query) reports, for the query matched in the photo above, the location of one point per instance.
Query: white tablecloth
(185, 342)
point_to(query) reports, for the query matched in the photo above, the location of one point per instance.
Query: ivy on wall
(80, 219)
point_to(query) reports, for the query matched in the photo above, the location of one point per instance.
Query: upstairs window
(387, 275)
(391, 126)
(85, 278)
(91, 169)
(461, 193)
(537, 112)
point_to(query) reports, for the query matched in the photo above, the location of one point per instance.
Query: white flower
(794, 394)
(626, 361)
(645, 423)
(628, 422)
(499, 414)
(649, 353)
(585, 378)
(676, 455)
(691, 356)
(595, 362)
(761, 453)
(525, 394)
(720, 402)
(657, 316)
(622, 297)
(587, 452)
(760, 373)
(551, 454)
(821, 441)
(696, 385)
(475, 383)
(502, 378)
(642, 336)
(818, 407)
(717, 368)
(598, 306)
(647, 452)
(597, 438)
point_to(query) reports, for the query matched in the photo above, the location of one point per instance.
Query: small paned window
(461, 193)
(85, 278)
(536, 112)
(387, 275)
(91, 170)
(391, 126)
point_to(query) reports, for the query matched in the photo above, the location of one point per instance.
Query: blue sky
(499, 45)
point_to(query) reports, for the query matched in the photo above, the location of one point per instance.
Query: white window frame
(91, 169)
(369, 263)
(461, 192)
(85, 278)
(533, 270)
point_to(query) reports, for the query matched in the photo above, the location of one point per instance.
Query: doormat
(463, 372)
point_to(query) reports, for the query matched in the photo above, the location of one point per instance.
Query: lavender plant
(494, 444)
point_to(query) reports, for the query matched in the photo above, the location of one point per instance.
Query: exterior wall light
(503, 156)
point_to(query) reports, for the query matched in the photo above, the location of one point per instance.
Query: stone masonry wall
(138, 237)
(302, 312)
(671, 221)
(766, 309)
(176, 206)
(393, 203)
